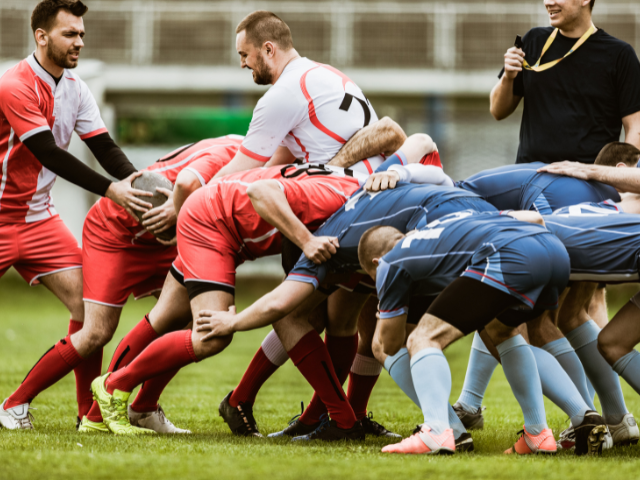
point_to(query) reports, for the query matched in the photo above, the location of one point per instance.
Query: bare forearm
(622, 179)
(503, 102)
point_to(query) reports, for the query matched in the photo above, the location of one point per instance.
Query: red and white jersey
(30, 103)
(313, 110)
(204, 159)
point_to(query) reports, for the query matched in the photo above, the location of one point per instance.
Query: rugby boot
(296, 428)
(625, 432)
(156, 421)
(372, 427)
(328, 431)
(567, 439)
(528, 444)
(464, 443)
(113, 408)
(425, 442)
(240, 419)
(16, 418)
(471, 421)
(590, 434)
(87, 426)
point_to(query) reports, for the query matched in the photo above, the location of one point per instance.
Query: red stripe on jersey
(304, 150)
(94, 133)
(255, 156)
(312, 110)
(368, 165)
(344, 78)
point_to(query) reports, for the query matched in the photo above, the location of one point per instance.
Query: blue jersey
(602, 246)
(607, 207)
(426, 262)
(406, 207)
(521, 187)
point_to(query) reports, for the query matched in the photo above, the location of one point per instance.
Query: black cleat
(329, 431)
(464, 443)
(372, 427)
(240, 419)
(471, 421)
(78, 422)
(296, 428)
(590, 434)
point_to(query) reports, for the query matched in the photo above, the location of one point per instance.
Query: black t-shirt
(576, 107)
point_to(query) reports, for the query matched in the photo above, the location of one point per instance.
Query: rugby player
(42, 102)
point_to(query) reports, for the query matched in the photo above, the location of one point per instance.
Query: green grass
(31, 320)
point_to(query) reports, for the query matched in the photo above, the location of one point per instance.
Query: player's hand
(320, 249)
(380, 181)
(126, 196)
(570, 169)
(168, 243)
(163, 217)
(513, 61)
(216, 324)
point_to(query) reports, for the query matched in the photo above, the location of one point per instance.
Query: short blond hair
(376, 242)
(263, 26)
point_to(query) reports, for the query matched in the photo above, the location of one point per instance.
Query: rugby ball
(148, 182)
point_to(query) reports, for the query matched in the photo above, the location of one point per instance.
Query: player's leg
(598, 307)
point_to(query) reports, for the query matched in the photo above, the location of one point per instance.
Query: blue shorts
(534, 269)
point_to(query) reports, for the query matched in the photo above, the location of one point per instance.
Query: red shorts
(38, 249)
(114, 267)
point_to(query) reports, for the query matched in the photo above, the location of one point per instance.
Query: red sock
(85, 373)
(342, 351)
(311, 357)
(149, 394)
(359, 392)
(53, 366)
(259, 370)
(129, 348)
(169, 352)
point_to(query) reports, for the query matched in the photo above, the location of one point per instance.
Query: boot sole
(596, 439)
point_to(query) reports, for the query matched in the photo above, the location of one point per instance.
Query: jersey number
(346, 104)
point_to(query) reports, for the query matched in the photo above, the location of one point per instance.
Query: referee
(581, 86)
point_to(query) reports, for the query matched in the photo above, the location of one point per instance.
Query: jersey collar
(42, 73)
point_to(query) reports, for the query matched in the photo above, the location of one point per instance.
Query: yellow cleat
(87, 426)
(114, 409)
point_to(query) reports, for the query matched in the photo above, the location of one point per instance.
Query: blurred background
(166, 72)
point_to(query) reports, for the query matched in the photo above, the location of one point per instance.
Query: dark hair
(45, 13)
(262, 26)
(615, 152)
(592, 4)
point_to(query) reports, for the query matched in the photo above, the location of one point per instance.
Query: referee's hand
(513, 60)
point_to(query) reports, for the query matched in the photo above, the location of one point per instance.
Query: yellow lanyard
(541, 68)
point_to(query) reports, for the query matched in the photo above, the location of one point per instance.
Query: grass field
(31, 320)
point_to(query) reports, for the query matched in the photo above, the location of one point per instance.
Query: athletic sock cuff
(68, 352)
(583, 335)
(307, 345)
(274, 350)
(511, 344)
(365, 366)
(558, 347)
(391, 360)
(188, 343)
(624, 361)
(145, 324)
(479, 345)
(424, 353)
(74, 326)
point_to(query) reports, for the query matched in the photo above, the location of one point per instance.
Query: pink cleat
(528, 444)
(423, 442)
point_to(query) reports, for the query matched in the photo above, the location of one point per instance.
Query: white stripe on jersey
(40, 206)
(5, 163)
(269, 234)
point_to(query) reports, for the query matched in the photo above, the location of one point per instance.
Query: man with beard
(41, 103)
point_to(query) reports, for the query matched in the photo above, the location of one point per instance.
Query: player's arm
(265, 311)
(271, 203)
(110, 156)
(527, 216)
(631, 124)
(503, 101)
(622, 179)
(283, 156)
(384, 136)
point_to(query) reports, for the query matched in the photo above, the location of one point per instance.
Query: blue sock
(432, 381)
(567, 358)
(606, 382)
(558, 387)
(520, 368)
(479, 372)
(399, 369)
(592, 391)
(628, 367)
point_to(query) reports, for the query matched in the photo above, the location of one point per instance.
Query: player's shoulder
(20, 75)
(612, 43)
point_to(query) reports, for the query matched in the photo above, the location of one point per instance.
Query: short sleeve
(89, 122)
(394, 290)
(205, 168)
(628, 81)
(20, 105)
(275, 115)
(308, 272)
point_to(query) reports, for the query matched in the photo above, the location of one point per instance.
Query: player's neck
(287, 58)
(577, 27)
(51, 68)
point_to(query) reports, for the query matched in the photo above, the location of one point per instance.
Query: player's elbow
(394, 131)
(261, 190)
(497, 113)
(424, 143)
(187, 183)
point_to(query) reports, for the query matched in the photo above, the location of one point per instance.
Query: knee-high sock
(558, 387)
(129, 348)
(432, 382)
(54, 365)
(270, 356)
(168, 353)
(311, 357)
(606, 382)
(479, 373)
(363, 376)
(85, 372)
(628, 367)
(566, 356)
(147, 398)
(399, 369)
(520, 368)
(342, 351)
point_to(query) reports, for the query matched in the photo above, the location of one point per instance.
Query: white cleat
(156, 421)
(16, 418)
(626, 432)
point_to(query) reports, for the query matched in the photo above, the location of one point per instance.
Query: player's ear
(41, 37)
(621, 164)
(376, 262)
(269, 48)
